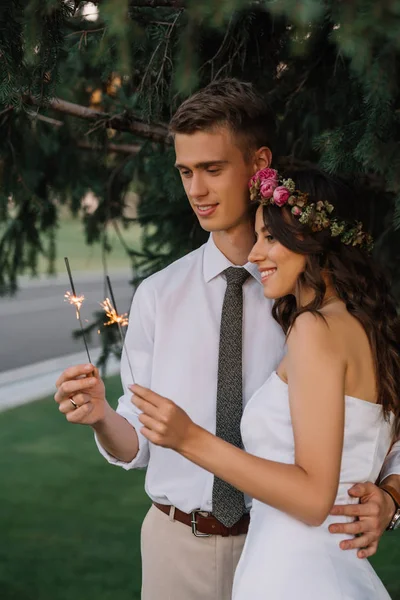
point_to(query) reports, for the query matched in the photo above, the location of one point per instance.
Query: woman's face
(280, 268)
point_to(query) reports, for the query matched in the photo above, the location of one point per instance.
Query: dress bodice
(267, 432)
(284, 558)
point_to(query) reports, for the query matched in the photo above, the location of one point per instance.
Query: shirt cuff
(141, 459)
(391, 466)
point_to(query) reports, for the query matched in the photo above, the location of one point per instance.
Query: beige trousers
(176, 565)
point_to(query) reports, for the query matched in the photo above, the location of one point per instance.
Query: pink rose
(281, 195)
(267, 174)
(267, 188)
(296, 211)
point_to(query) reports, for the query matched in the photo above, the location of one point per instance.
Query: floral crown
(268, 187)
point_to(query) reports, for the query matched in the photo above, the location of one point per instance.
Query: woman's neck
(305, 296)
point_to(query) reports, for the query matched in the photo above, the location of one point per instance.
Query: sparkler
(113, 316)
(110, 308)
(77, 302)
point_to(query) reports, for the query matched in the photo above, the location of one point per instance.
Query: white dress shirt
(391, 466)
(173, 344)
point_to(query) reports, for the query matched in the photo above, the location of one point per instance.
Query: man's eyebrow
(204, 165)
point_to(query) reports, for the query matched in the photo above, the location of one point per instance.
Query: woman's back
(352, 344)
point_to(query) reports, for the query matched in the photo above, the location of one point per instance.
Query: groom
(181, 344)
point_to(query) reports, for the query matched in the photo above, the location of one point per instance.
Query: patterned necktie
(228, 502)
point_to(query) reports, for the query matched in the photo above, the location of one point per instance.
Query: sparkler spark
(112, 315)
(111, 310)
(76, 301)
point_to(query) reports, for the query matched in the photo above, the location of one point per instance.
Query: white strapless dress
(284, 559)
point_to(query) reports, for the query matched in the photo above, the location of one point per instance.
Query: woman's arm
(306, 489)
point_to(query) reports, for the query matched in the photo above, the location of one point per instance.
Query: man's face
(215, 176)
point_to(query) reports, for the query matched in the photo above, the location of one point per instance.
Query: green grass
(70, 523)
(70, 241)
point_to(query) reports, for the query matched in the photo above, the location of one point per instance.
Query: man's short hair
(228, 103)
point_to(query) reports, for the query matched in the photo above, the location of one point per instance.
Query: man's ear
(262, 158)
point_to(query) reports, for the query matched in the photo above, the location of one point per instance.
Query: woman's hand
(164, 423)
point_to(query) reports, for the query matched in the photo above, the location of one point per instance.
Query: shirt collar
(214, 263)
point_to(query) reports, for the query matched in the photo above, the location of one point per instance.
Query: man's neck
(236, 243)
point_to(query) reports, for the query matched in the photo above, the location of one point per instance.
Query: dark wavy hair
(356, 278)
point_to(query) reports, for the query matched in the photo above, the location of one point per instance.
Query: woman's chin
(270, 293)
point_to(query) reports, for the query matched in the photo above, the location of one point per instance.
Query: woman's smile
(266, 273)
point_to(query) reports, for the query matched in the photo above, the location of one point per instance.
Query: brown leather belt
(204, 526)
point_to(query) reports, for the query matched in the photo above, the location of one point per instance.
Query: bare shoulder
(310, 324)
(315, 353)
(313, 330)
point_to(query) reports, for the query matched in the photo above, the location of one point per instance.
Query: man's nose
(197, 186)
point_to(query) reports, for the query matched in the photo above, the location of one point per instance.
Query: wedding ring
(74, 404)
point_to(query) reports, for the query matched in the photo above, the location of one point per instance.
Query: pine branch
(84, 144)
(38, 117)
(120, 148)
(6, 110)
(158, 4)
(85, 31)
(153, 3)
(171, 3)
(121, 122)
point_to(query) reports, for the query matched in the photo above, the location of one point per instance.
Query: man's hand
(165, 423)
(373, 515)
(82, 386)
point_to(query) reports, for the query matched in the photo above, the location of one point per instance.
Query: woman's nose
(255, 253)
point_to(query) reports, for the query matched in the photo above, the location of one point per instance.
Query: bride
(329, 414)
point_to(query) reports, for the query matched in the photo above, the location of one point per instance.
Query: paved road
(36, 324)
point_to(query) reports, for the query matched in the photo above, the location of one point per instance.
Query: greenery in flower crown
(268, 187)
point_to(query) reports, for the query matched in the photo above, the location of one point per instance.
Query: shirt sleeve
(136, 367)
(391, 466)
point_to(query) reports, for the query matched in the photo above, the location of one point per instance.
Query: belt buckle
(194, 525)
